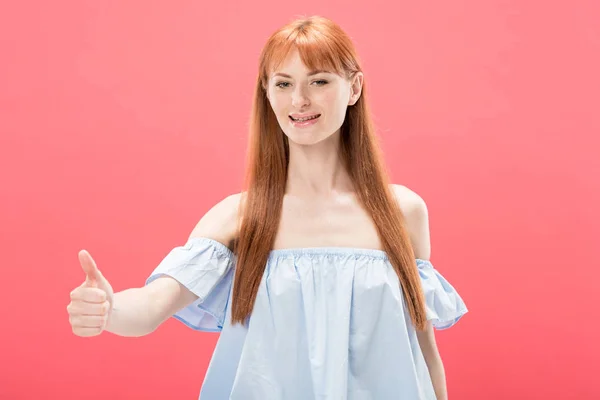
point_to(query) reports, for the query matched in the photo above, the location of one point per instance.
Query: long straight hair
(322, 44)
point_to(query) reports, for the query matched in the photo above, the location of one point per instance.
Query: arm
(416, 217)
(140, 311)
(433, 361)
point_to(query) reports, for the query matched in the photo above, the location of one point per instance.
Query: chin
(308, 138)
(304, 140)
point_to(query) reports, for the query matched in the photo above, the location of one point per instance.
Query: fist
(91, 302)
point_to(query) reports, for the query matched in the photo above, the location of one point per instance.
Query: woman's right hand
(92, 302)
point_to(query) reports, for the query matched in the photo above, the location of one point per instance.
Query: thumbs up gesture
(91, 303)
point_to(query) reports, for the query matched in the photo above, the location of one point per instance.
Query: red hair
(322, 44)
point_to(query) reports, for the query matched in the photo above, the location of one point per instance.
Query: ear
(355, 88)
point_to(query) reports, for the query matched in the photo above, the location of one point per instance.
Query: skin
(319, 203)
(315, 169)
(319, 209)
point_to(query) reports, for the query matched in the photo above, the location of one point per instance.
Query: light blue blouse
(328, 323)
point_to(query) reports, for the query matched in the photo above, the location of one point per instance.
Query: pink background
(121, 123)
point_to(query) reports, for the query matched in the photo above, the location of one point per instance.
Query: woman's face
(295, 94)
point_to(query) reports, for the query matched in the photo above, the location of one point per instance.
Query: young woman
(317, 275)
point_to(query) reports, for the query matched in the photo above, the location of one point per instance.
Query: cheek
(277, 103)
(335, 98)
(338, 101)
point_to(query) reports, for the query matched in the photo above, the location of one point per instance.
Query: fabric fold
(327, 322)
(205, 267)
(444, 305)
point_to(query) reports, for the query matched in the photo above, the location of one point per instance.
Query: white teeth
(304, 119)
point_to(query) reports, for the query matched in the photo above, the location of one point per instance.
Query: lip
(305, 124)
(297, 116)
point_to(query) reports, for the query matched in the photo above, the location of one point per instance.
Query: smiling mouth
(305, 119)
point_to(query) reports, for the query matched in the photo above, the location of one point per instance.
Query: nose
(299, 97)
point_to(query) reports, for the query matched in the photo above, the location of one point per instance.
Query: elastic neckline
(298, 251)
(328, 250)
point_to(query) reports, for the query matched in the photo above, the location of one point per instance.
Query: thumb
(88, 265)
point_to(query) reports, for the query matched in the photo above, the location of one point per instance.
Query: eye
(279, 84)
(321, 82)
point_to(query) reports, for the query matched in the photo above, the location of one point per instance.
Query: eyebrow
(311, 73)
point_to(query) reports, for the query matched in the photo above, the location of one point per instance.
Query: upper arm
(219, 223)
(416, 217)
(167, 296)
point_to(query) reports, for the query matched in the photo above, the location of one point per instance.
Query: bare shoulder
(416, 218)
(220, 223)
(409, 201)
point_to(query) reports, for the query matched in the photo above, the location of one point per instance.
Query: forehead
(292, 61)
(293, 65)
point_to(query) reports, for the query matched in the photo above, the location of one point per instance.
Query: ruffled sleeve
(206, 268)
(443, 304)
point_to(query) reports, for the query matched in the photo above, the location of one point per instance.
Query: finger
(88, 294)
(81, 308)
(87, 321)
(86, 332)
(89, 266)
